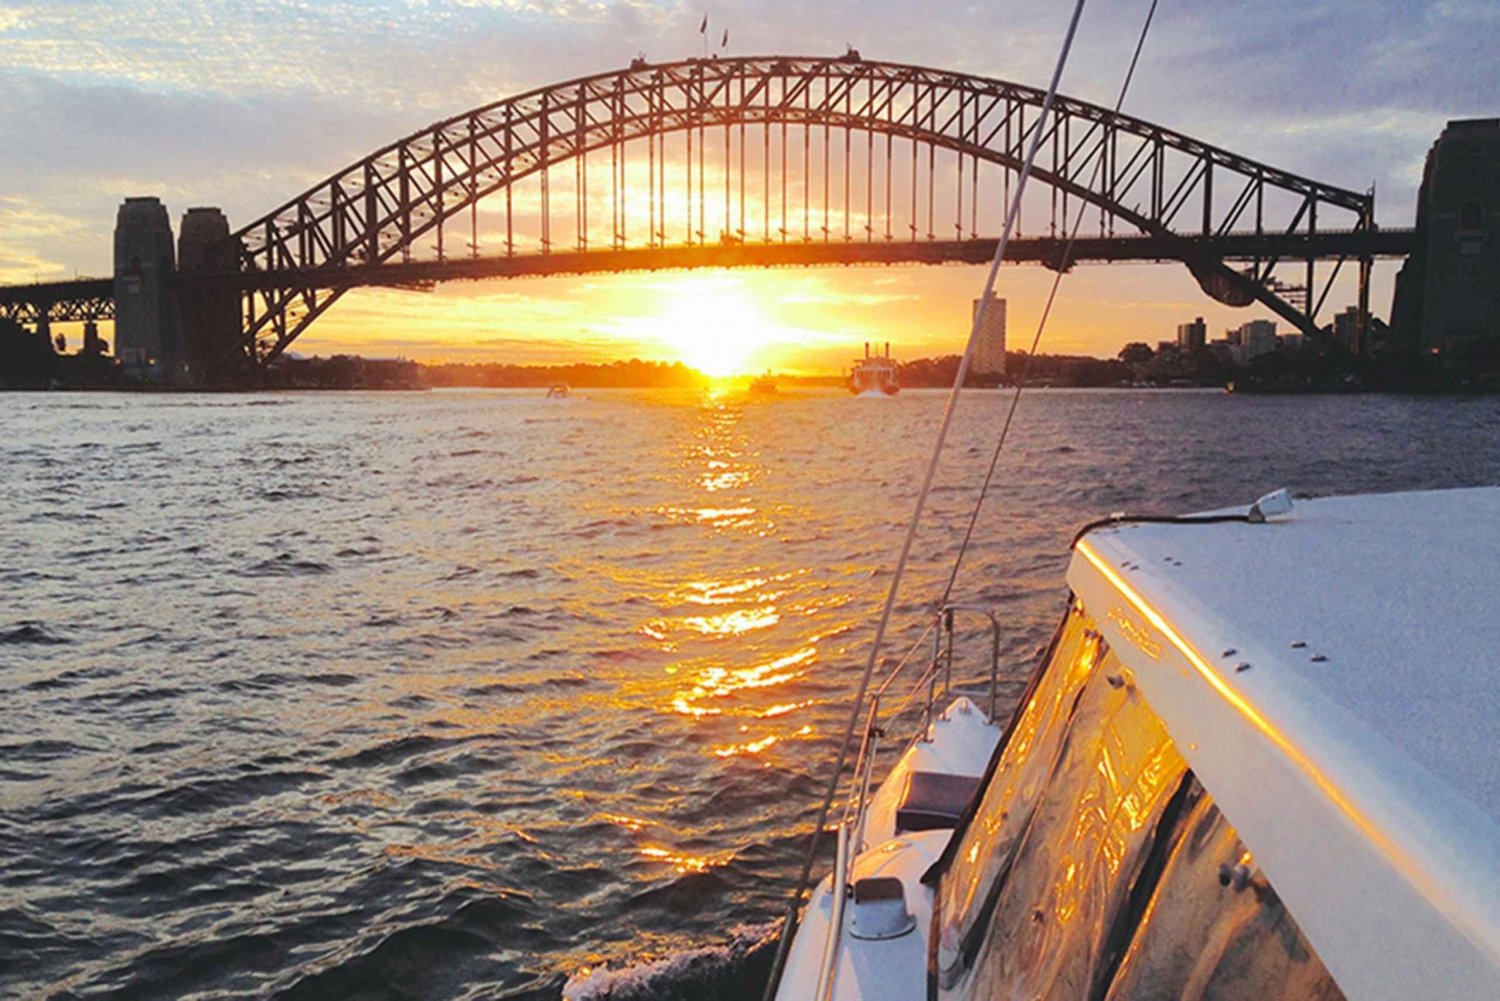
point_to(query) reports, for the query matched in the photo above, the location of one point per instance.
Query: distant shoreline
(1279, 373)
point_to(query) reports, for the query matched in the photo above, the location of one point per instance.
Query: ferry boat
(1256, 761)
(559, 391)
(874, 375)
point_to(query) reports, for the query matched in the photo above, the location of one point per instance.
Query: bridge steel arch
(1180, 191)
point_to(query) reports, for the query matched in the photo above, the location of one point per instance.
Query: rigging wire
(1036, 341)
(795, 902)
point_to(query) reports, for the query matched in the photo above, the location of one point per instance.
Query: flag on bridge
(726, 38)
(703, 28)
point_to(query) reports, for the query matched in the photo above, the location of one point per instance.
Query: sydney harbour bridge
(740, 162)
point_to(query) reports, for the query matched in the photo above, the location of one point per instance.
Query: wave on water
(284, 565)
(69, 516)
(278, 494)
(352, 552)
(32, 632)
(733, 971)
(473, 718)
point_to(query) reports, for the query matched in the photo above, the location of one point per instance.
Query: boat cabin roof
(1333, 677)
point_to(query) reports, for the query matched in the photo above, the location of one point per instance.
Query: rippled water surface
(463, 694)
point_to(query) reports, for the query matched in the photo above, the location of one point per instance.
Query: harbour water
(476, 694)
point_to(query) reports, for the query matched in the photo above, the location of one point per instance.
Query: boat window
(1213, 928)
(987, 845)
(1052, 932)
(1109, 872)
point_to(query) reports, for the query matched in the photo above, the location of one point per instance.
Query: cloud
(28, 226)
(242, 105)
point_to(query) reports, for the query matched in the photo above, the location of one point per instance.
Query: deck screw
(1230, 652)
(1317, 658)
(1236, 876)
(1299, 645)
(1242, 666)
(1115, 680)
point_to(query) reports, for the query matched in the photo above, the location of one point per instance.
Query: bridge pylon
(148, 334)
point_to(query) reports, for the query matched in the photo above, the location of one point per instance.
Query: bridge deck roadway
(1047, 251)
(1034, 250)
(63, 291)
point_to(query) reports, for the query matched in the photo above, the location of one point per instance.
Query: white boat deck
(959, 741)
(1333, 679)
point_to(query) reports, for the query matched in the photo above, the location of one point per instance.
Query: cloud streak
(243, 105)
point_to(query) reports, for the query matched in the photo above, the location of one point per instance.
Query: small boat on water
(875, 375)
(1255, 762)
(763, 385)
(559, 391)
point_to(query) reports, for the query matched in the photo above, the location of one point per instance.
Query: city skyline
(183, 106)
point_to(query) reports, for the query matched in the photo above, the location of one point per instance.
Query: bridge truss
(786, 160)
(40, 305)
(764, 150)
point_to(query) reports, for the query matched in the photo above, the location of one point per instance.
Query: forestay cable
(1038, 131)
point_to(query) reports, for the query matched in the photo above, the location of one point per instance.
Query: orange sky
(731, 322)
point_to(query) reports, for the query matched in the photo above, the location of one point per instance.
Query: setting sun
(714, 327)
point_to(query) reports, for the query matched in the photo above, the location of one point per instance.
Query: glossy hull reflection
(437, 694)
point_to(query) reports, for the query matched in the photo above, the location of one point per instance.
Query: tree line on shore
(28, 361)
(632, 374)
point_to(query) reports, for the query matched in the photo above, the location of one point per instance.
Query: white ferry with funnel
(875, 375)
(1257, 761)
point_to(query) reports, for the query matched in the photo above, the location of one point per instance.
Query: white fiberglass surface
(1388, 605)
(1327, 677)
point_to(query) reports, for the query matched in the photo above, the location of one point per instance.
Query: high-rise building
(989, 353)
(1255, 338)
(1346, 329)
(1191, 337)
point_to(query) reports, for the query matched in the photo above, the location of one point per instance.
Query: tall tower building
(1346, 329)
(989, 353)
(1191, 337)
(1255, 338)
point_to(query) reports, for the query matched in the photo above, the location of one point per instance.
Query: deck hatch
(934, 800)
